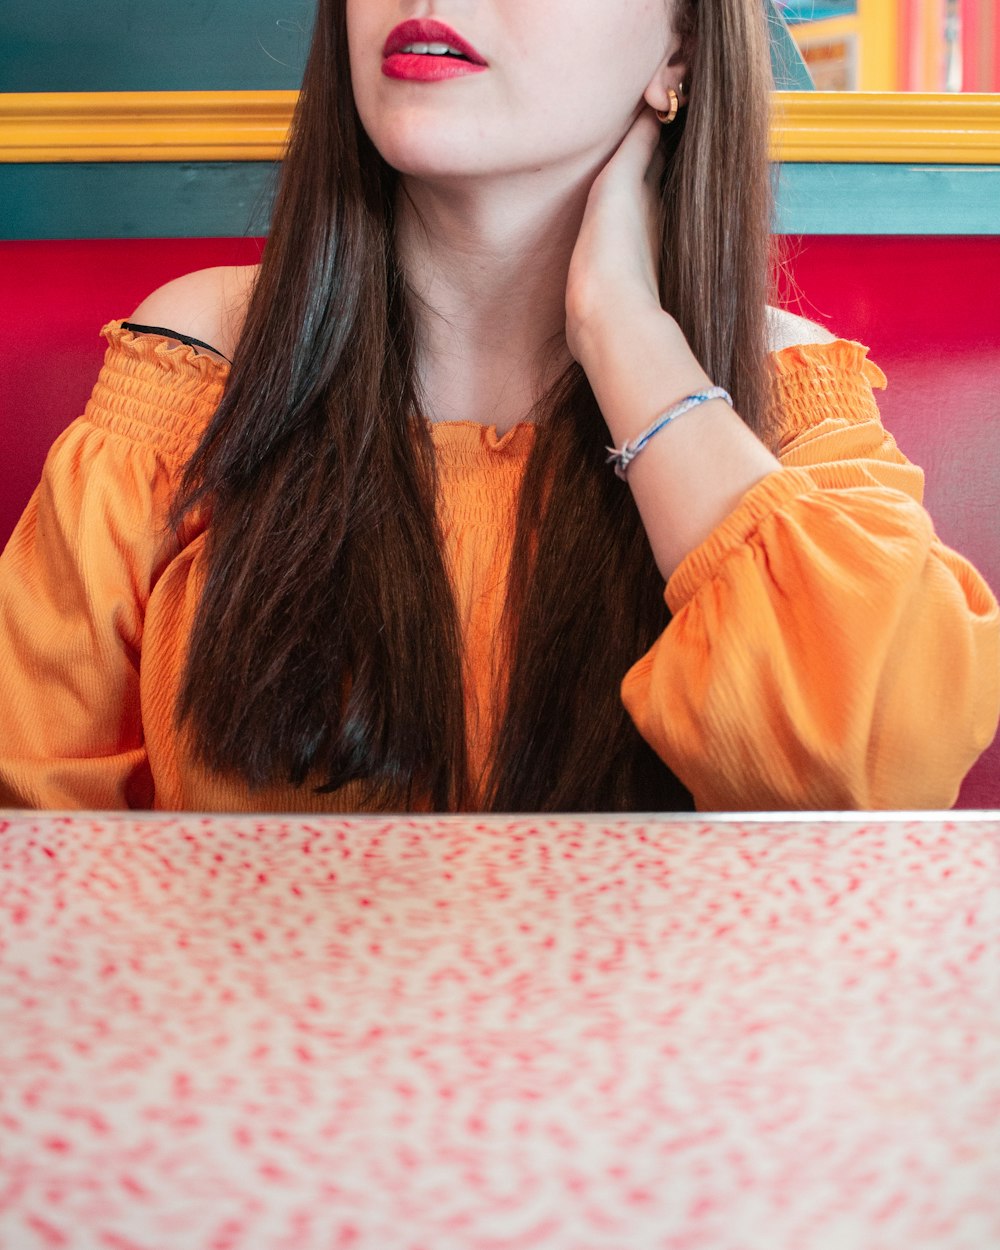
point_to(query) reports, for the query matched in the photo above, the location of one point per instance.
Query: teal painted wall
(888, 199)
(129, 45)
(158, 200)
(226, 200)
(193, 45)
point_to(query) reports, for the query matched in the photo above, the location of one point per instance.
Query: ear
(670, 74)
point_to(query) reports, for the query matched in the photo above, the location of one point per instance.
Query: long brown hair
(326, 646)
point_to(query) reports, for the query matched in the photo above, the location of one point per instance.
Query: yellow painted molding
(893, 128)
(144, 125)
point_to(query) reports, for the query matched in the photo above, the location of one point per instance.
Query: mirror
(889, 45)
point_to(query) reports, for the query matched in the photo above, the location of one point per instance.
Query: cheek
(426, 137)
(594, 66)
(365, 62)
(627, 45)
(366, 31)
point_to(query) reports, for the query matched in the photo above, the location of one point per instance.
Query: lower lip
(416, 68)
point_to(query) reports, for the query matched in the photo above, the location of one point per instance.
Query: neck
(487, 272)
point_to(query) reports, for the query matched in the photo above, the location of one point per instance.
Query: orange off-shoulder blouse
(826, 650)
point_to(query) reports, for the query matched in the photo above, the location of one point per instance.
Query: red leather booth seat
(921, 304)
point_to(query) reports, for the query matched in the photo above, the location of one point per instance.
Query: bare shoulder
(208, 304)
(786, 329)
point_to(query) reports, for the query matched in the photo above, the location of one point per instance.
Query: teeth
(431, 49)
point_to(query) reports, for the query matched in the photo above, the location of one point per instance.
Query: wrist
(596, 327)
(625, 329)
(644, 354)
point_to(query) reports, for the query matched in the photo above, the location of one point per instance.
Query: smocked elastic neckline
(141, 345)
(487, 433)
(153, 347)
(845, 354)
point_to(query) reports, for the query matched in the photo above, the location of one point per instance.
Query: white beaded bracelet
(623, 456)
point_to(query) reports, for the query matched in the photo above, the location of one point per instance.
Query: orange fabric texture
(826, 651)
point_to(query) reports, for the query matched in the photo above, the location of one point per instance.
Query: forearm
(690, 476)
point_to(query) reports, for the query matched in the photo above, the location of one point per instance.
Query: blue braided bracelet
(622, 457)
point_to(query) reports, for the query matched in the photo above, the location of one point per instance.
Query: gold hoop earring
(675, 103)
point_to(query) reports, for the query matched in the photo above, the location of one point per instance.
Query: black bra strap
(171, 334)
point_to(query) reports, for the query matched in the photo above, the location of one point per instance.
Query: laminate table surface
(598, 1032)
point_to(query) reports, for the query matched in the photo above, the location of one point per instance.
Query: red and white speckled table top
(467, 1033)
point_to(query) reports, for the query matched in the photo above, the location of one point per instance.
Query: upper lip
(428, 30)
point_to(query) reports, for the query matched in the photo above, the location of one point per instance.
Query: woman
(383, 562)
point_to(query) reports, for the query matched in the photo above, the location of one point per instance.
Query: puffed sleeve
(826, 650)
(77, 573)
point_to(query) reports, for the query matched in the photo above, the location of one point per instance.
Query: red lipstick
(461, 59)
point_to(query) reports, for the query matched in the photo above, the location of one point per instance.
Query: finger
(643, 136)
(637, 151)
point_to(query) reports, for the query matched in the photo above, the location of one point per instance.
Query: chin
(425, 143)
(430, 161)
